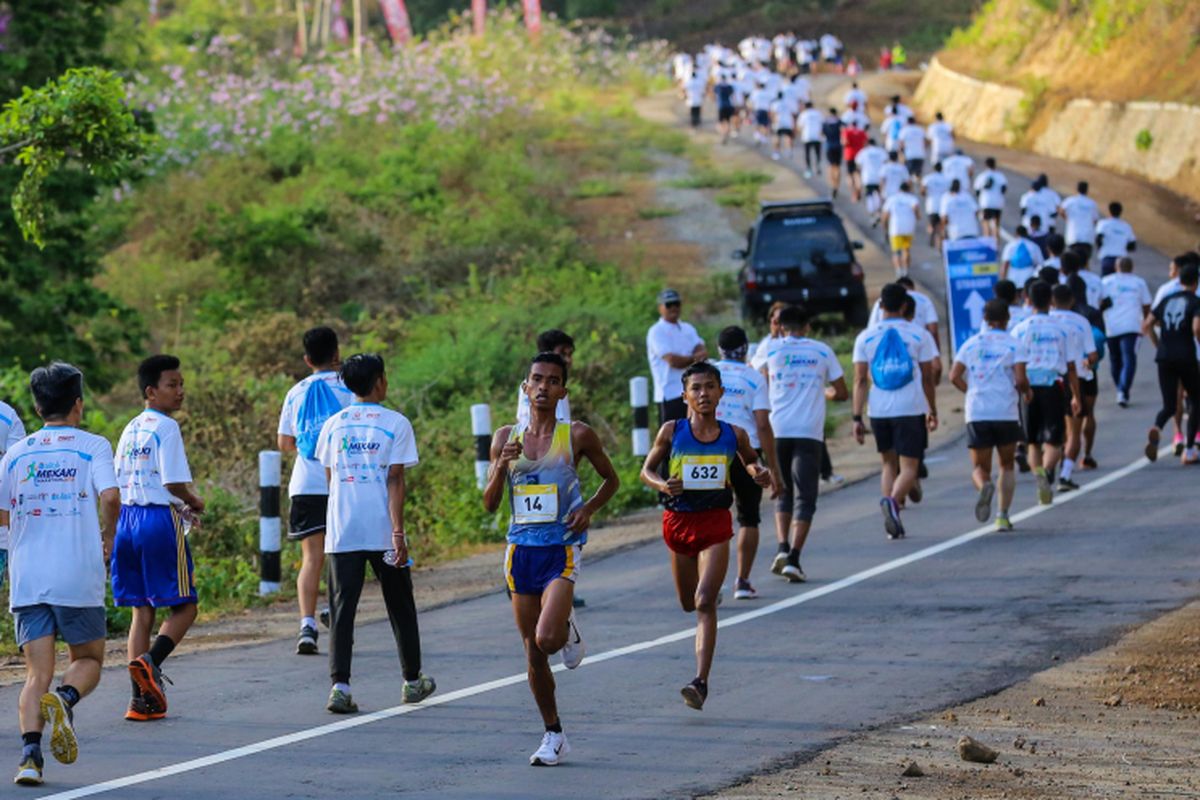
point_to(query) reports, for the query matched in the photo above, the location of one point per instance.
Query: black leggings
(800, 463)
(812, 155)
(1170, 375)
(347, 573)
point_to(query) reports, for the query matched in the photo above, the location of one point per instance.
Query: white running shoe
(779, 563)
(554, 747)
(794, 574)
(574, 650)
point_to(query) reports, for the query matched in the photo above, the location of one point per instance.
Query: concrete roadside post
(639, 398)
(270, 466)
(481, 429)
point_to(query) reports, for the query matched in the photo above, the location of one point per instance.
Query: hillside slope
(1118, 50)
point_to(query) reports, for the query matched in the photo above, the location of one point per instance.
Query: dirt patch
(1119, 723)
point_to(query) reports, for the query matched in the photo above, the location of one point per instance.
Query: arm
(761, 475)
(184, 492)
(860, 400)
(836, 391)
(396, 490)
(503, 454)
(1073, 381)
(958, 376)
(110, 509)
(587, 444)
(1149, 324)
(929, 384)
(766, 436)
(678, 361)
(659, 452)
(1196, 327)
(1022, 381)
(286, 444)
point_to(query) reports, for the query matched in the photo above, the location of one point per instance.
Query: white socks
(1068, 466)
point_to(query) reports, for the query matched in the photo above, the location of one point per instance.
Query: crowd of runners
(749, 420)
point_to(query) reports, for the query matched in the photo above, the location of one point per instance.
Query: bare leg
(84, 670)
(308, 581)
(39, 673)
(177, 623)
(891, 469)
(542, 622)
(139, 631)
(783, 523)
(981, 465)
(1089, 425)
(1008, 475)
(747, 548)
(713, 563)
(906, 479)
(800, 529)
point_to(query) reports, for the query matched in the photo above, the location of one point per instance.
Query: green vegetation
(1144, 140)
(656, 212)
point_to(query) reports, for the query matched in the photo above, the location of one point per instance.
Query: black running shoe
(306, 642)
(695, 693)
(1022, 460)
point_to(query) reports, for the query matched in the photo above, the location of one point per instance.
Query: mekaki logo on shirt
(353, 445)
(49, 472)
(136, 452)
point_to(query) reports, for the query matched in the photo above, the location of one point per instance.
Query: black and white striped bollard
(481, 429)
(639, 398)
(269, 468)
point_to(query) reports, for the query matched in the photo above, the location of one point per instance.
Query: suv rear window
(805, 241)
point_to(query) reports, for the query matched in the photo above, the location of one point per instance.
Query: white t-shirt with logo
(1019, 275)
(1082, 214)
(958, 167)
(798, 370)
(663, 338)
(12, 430)
(745, 392)
(1043, 203)
(909, 400)
(871, 160)
(941, 136)
(901, 209)
(892, 177)
(1094, 283)
(990, 185)
(811, 122)
(798, 91)
(912, 139)
(1083, 341)
(150, 455)
(926, 312)
(49, 484)
(936, 185)
(358, 446)
(1118, 235)
(959, 211)
(1046, 347)
(785, 114)
(989, 357)
(308, 476)
(1130, 295)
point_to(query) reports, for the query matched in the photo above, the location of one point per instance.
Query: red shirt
(853, 140)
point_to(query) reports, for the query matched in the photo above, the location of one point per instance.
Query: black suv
(798, 252)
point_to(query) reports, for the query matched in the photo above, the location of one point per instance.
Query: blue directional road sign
(972, 269)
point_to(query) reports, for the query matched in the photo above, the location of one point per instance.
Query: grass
(708, 178)
(597, 187)
(657, 212)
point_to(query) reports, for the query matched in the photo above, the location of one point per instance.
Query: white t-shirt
(1018, 314)
(695, 89)
(1166, 290)
(799, 91)
(891, 131)
(745, 392)
(12, 430)
(150, 455)
(856, 96)
(1095, 287)
(562, 411)
(871, 160)
(990, 185)
(901, 209)
(852, 116)
(936, 185)
(1129, 294)
(958, 212)
(664, 337)
(1043, 203)
(811, 120)
(1118, 234)
(912, 139)
(308, 476)
(909, 400)
(358, 446)
(958, 167)
(1046, 347)
(1083, 341)
(926, 312)
(758, 356)
(798, 370)
(941, 137)
(785, 114)
(761, 99)
(1082, 214)
(891, 177)
(988, 357)
(1019, 275)
(49, 484)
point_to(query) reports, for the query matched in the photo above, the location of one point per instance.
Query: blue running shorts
(529, 569)
(151, 560)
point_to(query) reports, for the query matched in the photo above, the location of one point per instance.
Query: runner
(1041, 201)
(1114, 239)
(811, 124)
(745, 403)
(12, 430)
(912, 142)
(49, 486)
(901, 212)
(892, 175)
(1049, 354)
(855, 116)
(151, 560)
(783, 116)
(724, 91)
(1130, 303)
(305, 408)
(991, 186)
(759, 104)
(671, 346)
(803, 374)
(831, 129)
(925, 312)
(1021, 258)
(1072, 262)
(1036, 232)
(536, 463)
(758, 359)
(990, 369)
(959, 213)
(891, 127)
(1084, 343)
(1080, 214)
(870, 161)
(934, 187)
(693, 92)
(941, 138)
(854, 139)
(899, 357)
(365, 450)
(699, 452)
(1177, 320)
(1013, 297)
(805, 55)
(1171, 286)
(855, 96)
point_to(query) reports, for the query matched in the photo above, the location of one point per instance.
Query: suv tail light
(856, 271)
(751, 279)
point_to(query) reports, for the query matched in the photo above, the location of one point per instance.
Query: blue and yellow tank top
(542, 493)
(704, 468)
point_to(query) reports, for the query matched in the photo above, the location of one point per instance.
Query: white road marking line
(608, 655)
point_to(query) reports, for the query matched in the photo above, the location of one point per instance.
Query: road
(883, 632)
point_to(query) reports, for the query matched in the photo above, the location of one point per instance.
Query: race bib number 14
(535, 503)
(703, 472)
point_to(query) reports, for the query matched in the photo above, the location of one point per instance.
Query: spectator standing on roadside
(671, 347)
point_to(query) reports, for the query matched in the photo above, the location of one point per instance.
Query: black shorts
(788, 132)
(915, 165)
(695, 110)
(851, 166)
(833, 156)
(1086, 389)
(762, 119)
(992, 213)
(1045, 421)
(992, 434)
(935, 219)
(726, 113)
(1108, 265)
(746, 494)
(906, 435)
(871, 188)
(307, 515)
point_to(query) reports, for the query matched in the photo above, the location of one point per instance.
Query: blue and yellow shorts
(529, 569)
(151, 560)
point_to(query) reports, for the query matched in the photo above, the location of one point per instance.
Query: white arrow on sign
(974, 305)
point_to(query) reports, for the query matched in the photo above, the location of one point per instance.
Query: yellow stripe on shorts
(508, 578)
(569, 571)
(181, 553)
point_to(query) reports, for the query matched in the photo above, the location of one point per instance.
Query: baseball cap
(667, 296)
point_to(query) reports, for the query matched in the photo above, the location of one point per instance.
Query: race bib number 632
(704, 472)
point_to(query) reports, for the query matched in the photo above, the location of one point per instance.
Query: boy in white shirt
(959, 213)
(49, 485)
(991, 186)
(12, 430)
(811, 123)
(900, 213)
(912, 142)
(365, 450)
(1081, 214)
(934, 187)
(1130, 303)
(151, 560)
(941, 138)
(1114, 239)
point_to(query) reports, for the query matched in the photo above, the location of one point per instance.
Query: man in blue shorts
(151, 560)
(537, 463)
(49, 484)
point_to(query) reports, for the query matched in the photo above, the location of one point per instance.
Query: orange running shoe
(139, 711)
(149, 678)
